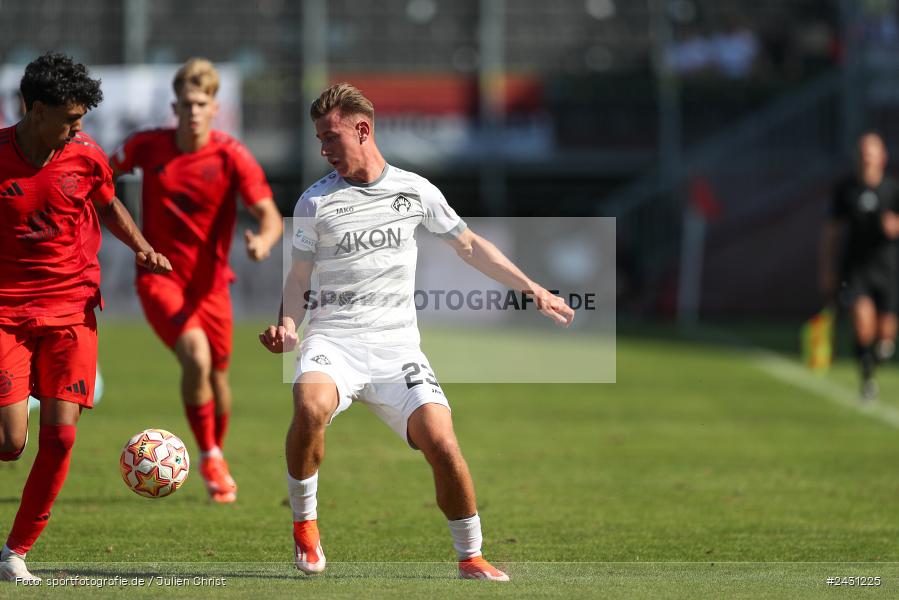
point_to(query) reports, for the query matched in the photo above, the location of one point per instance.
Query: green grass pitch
(696, 475)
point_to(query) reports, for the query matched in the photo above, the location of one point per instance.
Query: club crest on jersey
(320, 359)
(401, 204)
(68, 183)
(868, 201)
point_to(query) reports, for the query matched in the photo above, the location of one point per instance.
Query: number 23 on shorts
(413, 370)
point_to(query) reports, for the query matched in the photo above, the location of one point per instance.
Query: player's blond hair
(344, 97)
(197, 73)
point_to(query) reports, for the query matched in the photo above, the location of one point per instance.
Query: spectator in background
(735, 50)
(732, 53)
(691, 54)
(864, 222)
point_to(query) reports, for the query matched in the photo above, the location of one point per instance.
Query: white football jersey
(361, 238)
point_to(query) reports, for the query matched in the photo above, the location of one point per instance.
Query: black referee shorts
(882, 288)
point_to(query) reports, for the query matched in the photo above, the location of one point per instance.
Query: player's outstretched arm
(119, 222)
(259, 244)
(283, 337)
(481, 254)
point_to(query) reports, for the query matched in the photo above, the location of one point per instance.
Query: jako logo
(401, 205)
(366, 240)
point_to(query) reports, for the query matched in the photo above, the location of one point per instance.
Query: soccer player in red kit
(191, 175)
(55, 187)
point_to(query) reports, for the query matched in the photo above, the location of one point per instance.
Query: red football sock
(11, 456)
(202, 423)
(48, 473)
(221, 428)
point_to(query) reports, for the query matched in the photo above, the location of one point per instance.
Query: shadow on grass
(273, 572)
(99, 573)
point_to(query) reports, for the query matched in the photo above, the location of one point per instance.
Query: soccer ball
(154, 463)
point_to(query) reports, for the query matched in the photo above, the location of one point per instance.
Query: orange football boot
(219, 483)
(478, 568)
(308, 555)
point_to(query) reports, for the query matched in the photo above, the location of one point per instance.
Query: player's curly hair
(56, 80)
(345, 97)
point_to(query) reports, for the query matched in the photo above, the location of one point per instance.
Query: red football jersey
(188, 201)
(49, 230)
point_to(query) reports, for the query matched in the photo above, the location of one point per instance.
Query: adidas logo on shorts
(77, 388)
(320, 359)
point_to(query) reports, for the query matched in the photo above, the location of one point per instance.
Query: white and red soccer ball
(154, 463)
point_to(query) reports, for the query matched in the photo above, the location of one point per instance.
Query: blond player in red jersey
(191, 177)
(54, 184)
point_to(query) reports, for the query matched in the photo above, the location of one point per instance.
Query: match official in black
(859, 264)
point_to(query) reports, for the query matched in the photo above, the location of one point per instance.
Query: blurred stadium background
(710, 129)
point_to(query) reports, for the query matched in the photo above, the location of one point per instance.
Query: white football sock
(466, 536)
(215, 451)
(303, 497)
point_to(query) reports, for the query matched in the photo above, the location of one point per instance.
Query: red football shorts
(49, 358)
(170, 313)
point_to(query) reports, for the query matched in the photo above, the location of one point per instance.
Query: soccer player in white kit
(355, 229)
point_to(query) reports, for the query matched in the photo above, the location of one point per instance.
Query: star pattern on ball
(149, 482)
(176, 461)
(143, 449)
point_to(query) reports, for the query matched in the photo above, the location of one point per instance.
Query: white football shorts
(393, 381)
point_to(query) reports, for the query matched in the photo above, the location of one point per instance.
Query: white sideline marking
(788, 371)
